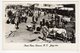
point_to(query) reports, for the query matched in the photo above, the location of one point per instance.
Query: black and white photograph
(40, 23)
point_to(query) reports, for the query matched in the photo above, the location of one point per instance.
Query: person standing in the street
(43, 21)
(24, 17)
(33, 19)
(57, 18)
(47, 23)
(36, 18)
(17, 20)
(9, 14)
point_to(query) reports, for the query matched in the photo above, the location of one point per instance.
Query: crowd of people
(51, 25)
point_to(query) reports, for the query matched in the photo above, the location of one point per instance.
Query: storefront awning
(64, 8)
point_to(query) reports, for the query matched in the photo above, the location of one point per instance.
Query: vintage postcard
(41, 25)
